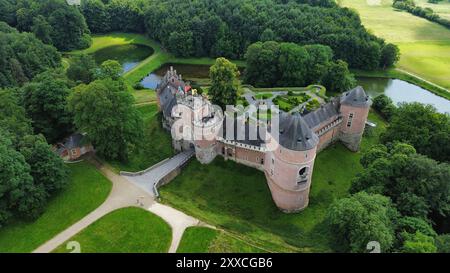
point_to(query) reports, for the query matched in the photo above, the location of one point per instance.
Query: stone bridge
(150, 179)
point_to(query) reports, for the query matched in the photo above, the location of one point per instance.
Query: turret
(355, 106)
(289, 163)
(207, 124)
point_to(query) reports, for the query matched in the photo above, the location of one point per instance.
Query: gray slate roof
(322, 114)
(295, 134)
(260, 138)
(356, 97)
(74, 141)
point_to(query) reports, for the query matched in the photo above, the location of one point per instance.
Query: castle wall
(328, 138)
(352, 127)
(251, 158)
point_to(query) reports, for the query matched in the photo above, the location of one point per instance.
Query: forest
(226, 28)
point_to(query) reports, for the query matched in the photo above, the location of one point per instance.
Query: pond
(402, 91)
(192, 72)
(129, 56)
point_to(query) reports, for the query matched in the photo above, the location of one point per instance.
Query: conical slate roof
(295, 134)
(356, 97)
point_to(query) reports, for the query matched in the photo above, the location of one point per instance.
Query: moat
(129, 56)
(398, 90)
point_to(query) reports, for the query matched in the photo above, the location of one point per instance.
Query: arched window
(303, 175)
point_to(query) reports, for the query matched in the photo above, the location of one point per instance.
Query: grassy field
(127, 230)
(206, 240)
(113, 39)
(155, 146)
(442, 8)
(87, 190)
(425, 46)
(236, 198)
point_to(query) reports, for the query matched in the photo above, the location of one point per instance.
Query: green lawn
(155, 146)
(236, 198)
(87, 190)
(127, 230)
(207, 240)
(114, 39)
(263, 96)
(424, 45)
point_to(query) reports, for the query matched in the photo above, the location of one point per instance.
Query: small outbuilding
(74, 147)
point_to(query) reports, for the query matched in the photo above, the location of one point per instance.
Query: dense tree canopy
(12, 117)
(224, 84)
(384, 106)
(287, 64)
(357, 220)
(419, 186)
(418, 243)
(22, 57)
(82, 68)
(423, 127)
(53, 21)
(45, 102)
(29, 170)
(338, 78)
(104, 110)
(217, 28)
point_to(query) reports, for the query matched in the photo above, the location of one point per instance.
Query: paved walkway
(146, 180)
(125, 194)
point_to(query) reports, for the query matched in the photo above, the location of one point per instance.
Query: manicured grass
(236, 198)
(263, 96)
(430, 59)
(87, 190)
(113, 39)
(144, 96)
(207, 240)
(424, 45)
(127, 230)
(155, 146)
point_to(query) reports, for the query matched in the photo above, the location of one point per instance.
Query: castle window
(262, 161)
(303, 175)
(273, 161)
(350, 120)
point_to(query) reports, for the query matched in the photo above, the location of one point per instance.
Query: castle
(287, 158)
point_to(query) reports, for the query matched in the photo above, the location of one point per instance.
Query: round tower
(355, 106)
(207, 126)
(289, 163)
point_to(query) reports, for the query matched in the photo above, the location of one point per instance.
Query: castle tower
(355, 106)
(289, 163)
(207, 126)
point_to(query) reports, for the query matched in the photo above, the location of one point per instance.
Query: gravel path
(126, 194)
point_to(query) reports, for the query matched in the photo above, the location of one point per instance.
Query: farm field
(425, 46)
(87, 190)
